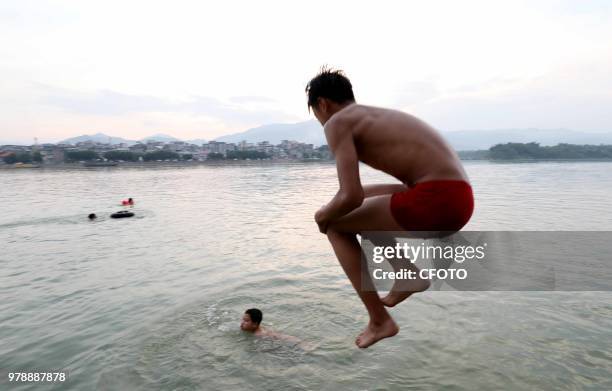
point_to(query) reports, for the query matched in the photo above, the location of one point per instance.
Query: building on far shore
(56, 153)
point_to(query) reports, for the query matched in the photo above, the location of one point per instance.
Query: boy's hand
(321, 220)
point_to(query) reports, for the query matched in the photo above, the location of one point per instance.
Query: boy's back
(396, 143)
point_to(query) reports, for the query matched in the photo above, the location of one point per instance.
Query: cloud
(576, 96)
(538, 103)
(237, 110)
(102, 102)
(251, 99)
(213, 107)
(409, 93)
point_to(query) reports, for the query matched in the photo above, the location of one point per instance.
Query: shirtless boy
(251, 323)
(434, 193)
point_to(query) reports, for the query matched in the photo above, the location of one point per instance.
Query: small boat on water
(100, 164)
(122, 214)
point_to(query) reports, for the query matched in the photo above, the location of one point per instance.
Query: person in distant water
(129, 201)
(251, 322)
(433, 192)
(92, 216)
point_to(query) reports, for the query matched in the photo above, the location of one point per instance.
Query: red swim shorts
(437, 205)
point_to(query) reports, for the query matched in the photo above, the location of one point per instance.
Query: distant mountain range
(98, 138)
(464, 140)
(103, 138)
(160, 137)
(311, 132)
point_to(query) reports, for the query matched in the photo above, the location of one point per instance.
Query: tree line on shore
(534, 151)
(510, 151)
(128, 156)
(24, 157)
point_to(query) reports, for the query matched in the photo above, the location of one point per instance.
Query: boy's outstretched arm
(350, 194)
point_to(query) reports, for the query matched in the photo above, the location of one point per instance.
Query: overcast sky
(199, 69)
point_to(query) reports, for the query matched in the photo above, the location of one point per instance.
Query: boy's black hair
(255, 314)
(331, 84)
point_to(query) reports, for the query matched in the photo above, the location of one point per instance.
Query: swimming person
(434, 193)
(251, 322)
(92, 216)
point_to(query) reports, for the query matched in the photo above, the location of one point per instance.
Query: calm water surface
(154, 302)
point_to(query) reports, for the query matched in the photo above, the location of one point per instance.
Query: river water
(154, 301)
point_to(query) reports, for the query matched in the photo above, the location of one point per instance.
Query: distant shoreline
(80, 166)
(219, 163)
(566, 160)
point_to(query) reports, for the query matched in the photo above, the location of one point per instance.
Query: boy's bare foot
(402, 289)
(374, 333)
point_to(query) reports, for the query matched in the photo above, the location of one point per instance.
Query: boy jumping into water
(434, 193)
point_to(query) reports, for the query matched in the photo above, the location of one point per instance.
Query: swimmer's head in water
(92, 216)
(328, 90)
(251, 319)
